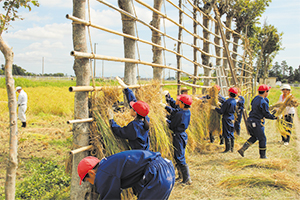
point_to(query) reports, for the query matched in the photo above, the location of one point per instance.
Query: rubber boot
(244, 148)
(211, 137)
(238, 131)
(227, 145)
(186, 179)
(221, 140)
(179, 173)
(231, 144)
(262, 154)
(23, 124)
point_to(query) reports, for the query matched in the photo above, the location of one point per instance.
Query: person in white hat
(288, 113)
(22, 104)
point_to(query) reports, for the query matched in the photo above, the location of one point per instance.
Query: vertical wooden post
(129, 44)
(179, 47)
(156, 39)
(81, 110)
(195, 43)
(12, 164)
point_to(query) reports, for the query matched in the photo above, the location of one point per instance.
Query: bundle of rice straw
(283, 126)
(214, 119)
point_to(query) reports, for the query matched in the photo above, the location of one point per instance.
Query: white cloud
(106, 18)
(49, 31)
(32, 56)
(46, 44)
(34, 17)
(56, 3)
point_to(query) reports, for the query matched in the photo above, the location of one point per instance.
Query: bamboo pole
(99, 88)
(86, 148)
(110, 58)
(193, 85)
(80, 120)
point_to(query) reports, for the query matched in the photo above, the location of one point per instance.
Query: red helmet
(233, 90)
(85, 165)
(218, 87)
(186, 99)
(142, 108)
(264, 87)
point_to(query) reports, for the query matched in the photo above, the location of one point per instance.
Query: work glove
(213, 107)
(163, 104)
(121, 82)
(110, 114)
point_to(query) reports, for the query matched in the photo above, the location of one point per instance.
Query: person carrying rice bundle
(178, 123)
(288, 114)
(256, 120)
(137, 130)
(227, 111)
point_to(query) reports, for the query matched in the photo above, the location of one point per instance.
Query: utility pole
(102, 69)
(42, 66)
(95, 60)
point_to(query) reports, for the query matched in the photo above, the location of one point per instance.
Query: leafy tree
(10, 13)
(270, 43)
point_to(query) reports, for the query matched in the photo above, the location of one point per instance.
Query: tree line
(285, 73)
(19, 71)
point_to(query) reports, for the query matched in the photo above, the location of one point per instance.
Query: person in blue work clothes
(179, 122)
(240, 108)
(256, 120)
(227, 111)
(170, 100)
(137, 130)
(149, 175)
(221, 100)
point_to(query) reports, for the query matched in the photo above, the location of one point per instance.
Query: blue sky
(45, 33)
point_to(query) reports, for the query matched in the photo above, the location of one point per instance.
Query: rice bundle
(214, 119)
(283, 126)
(290, 101)
(198, 124)
(160, 134)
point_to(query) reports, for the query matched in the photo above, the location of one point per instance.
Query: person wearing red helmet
(146, 172)
(227, 111)
(178, 123)
(256, 120)
(136, 132)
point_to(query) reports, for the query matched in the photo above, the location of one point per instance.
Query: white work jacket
(22, 100)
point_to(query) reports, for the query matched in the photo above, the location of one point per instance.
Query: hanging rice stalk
(160, 134)
(198, 125)
(214, 119)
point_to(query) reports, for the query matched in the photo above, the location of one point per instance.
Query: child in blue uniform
(137, 130)
(149, 175)
(227, 111)
(178, 123)
(240, 109)
(256, 120)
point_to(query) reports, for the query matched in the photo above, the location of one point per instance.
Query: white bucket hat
(285, 86)
(18, 88)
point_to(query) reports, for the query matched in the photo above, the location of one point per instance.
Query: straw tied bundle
(214, 119)
(283, 126)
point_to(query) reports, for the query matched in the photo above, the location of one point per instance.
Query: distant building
(271, 81)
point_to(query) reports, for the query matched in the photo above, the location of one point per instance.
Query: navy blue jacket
(121, 171)
(137, 136)
(180, 119)
(227, 109)
(260, 109)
